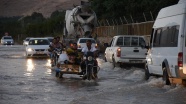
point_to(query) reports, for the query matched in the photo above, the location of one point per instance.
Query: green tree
(110, 9)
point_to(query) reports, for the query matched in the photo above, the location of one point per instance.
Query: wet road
(31, 81)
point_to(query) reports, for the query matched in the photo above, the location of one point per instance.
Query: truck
(126, 49)
(80, 21)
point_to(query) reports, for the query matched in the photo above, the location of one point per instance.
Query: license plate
(39, 52)
(135, 61)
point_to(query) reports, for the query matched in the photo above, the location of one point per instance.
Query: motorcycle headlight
(29, 49)
(90, 58)
(84, 58)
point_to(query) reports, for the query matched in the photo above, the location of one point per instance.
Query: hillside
(9, 8)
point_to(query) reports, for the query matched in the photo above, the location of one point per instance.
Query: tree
(135, 8)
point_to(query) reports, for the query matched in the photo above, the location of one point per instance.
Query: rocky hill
(9, 8)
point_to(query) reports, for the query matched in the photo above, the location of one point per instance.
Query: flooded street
(31, 81)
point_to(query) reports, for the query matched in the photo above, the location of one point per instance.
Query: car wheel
(26, 54)
(114, 62)
(105, 59)
(147, 74)
(165, 76)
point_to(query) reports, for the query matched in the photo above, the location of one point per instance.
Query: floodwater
(32, 81)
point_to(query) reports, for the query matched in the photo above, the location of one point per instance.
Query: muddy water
(31, 81)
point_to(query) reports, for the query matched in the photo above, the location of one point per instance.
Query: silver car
(37, 47)
(25, 42)
(7, 40)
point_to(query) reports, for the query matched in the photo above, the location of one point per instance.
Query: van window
(120, 41)
(164, 37)
(126, 41)
(173, 40)
(151, 37)
(156, 41)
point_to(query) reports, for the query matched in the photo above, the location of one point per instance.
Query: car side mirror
(143, 46)
(106, 45)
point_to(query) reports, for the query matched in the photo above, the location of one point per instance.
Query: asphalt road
(31, 81)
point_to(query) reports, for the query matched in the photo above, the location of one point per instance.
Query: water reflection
(39, 64)
(48, 64)
(30, 67)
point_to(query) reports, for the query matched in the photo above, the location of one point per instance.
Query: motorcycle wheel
(89, 72)
(54, 58)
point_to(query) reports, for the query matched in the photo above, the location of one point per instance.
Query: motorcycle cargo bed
(69, 69)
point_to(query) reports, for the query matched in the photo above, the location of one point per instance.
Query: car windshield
(39, 42)
(84, 40)
(8, 37)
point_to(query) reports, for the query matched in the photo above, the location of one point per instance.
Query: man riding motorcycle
(55, 45)
(86, 49)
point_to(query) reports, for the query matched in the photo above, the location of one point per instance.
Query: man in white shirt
(84, 51)
(88, 48)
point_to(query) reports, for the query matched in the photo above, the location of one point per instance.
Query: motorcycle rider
(72, 59)
(58, 41)
(90, 48)
(55, 44)
(74, 49)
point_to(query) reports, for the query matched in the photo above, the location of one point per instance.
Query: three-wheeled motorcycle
(89, 73)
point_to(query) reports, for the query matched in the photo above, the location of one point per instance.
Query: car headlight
(90, 58)
(149, 60)
(29, 49)
(96, 46)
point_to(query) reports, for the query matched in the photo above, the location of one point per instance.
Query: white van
(167, 52)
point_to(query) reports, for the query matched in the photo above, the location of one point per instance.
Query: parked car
(167, 51)
(126, 49)
(37, 47)
(7, 40)
(25, 42)
(82, 43)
